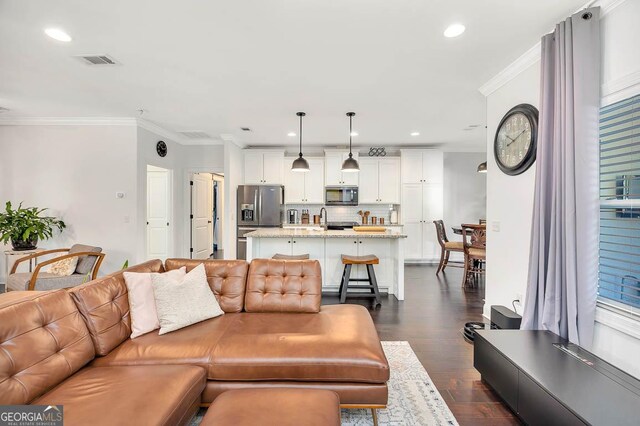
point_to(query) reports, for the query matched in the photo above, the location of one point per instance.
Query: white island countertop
(316, 232)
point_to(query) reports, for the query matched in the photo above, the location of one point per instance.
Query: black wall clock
(514, 145)
(161, 149)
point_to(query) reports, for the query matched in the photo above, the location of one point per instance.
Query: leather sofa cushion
(350, 393)
(339, 344)
(105, 307)
(190, 345)
(43, 340)
(274, 407)
(161, 395)
(283, 286)
(226, 278)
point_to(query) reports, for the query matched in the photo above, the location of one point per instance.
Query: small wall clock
(161, 149)
(514, 145)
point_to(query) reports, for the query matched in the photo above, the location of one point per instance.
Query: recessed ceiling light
(454, 30)
(415, 133)
(292, 134)
(354, 133)
(57, 34)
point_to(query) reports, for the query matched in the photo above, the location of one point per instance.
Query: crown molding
(107, 121)
(531, 56)
(525, 60)
(67, 121)
(160, 131)
(620, 88)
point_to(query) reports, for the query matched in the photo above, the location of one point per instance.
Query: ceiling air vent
(97, 59)
(245, 129)
(195, 134)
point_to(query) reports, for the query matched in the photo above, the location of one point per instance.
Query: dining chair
(446, 247)
(474, 240)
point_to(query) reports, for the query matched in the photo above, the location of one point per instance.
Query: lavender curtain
(563, 263)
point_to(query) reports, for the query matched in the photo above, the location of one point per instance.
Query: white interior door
(158, 210)
(202, 211)
(220, 220)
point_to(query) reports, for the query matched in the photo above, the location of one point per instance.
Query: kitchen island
(327, 246)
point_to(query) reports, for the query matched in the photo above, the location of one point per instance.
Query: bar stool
(348, 261)
(279, 256)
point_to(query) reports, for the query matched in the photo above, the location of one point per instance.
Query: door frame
(170, 237)
(186, 208)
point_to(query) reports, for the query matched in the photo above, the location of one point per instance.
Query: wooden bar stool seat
(368, 260)
(279, 256)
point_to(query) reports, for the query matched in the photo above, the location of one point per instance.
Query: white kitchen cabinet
(334, 249)
(369, 176)
(379, 181)
(381, 247)
(389, 180)
(333, 169)
(422, 166)
(270, 246)
(263, 167)
(422, 204)
(304, 187)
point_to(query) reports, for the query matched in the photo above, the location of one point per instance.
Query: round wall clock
(161, 148)
(514, 145)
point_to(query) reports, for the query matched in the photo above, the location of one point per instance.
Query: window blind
(619, 267)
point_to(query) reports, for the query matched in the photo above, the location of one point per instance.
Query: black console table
(547, 381)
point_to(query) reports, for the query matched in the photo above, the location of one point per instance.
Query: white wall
(233, 176)
(173, 161)
(510, 199)
(465, 190)
(76, 172)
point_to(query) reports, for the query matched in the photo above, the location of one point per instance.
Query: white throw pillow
(181, 303)
(64, 267)
(142, 302)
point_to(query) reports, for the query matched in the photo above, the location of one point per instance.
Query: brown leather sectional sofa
(73, 348)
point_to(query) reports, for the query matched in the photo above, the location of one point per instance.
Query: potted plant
(25, 226)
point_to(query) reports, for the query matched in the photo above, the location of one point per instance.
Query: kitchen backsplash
(345, 213)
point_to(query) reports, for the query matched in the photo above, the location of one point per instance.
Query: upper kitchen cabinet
(304, 187)
(333, 169)
(263, 167)
(379, 180)
(422, 166)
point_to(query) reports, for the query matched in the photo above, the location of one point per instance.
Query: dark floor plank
(430, 319)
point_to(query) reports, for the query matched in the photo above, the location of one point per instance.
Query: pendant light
(300, 164)
(350, 164)
(482, 167)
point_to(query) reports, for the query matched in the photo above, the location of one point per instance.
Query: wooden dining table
(458, 230)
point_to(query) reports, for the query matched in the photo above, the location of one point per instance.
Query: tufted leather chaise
(274, 334)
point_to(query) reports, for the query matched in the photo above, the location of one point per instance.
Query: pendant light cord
(350, 134)
(300, 153)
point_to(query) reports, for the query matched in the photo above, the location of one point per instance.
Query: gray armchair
(89, 261)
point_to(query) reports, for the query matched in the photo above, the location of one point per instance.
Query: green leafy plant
(126, 264)
(25, 226)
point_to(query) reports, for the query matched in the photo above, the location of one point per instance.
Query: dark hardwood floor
(430, 319)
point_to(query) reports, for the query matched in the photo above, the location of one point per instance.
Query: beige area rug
(413, 398)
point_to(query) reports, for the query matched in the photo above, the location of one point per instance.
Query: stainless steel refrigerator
(259, 206)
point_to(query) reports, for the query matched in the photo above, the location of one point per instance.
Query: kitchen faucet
(326, 222)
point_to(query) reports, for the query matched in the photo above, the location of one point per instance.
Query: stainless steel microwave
(341, 195)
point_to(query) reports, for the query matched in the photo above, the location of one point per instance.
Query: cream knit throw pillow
(181, 303)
